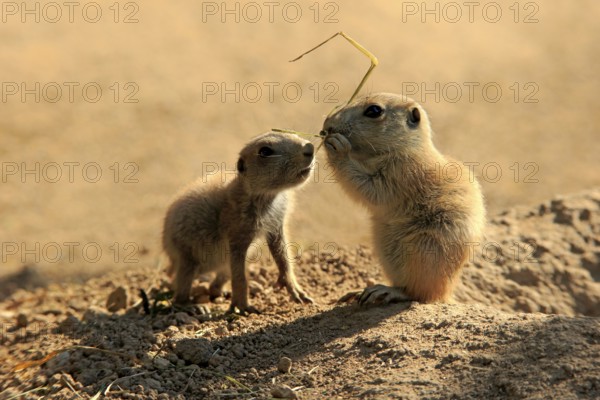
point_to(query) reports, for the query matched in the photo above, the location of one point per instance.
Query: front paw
(296, 293)
(337, 145)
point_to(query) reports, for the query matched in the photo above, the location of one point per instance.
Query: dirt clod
(117, 300)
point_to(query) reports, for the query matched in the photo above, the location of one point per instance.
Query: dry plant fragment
(374, 63)
(354, 43)
(294, 132)
(36, 363)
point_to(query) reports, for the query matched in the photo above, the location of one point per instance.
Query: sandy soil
(525, 325)
(177, 130)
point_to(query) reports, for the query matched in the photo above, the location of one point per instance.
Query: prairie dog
(211, 226)
(424, 221)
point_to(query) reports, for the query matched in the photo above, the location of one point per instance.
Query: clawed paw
(381, 294)
(375, 296)
(300, 297)
(192, 308)
(337, 144)
(297, 294)
(242, 310)
(350, 297)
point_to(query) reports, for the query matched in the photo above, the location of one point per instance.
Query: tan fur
(424, 220)
(210, 227)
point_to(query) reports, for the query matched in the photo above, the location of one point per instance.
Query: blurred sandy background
(176, 51)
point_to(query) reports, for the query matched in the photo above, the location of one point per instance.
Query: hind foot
(381, 294)
(191, 308)
(245, 311)
(295, 291)
(349, 297)
(376, 295)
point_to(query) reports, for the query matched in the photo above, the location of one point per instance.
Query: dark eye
(265, 152)
(414, 117)
(373, 111)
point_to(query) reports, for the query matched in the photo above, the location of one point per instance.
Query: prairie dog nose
(308, 150)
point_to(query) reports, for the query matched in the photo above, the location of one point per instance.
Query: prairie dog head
(381, 123)
(275, 161)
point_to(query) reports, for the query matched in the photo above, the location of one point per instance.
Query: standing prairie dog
(211, 226)
(424, 221)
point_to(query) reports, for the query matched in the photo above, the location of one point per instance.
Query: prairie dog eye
(414, 117)
(265, 152)
(373, 111)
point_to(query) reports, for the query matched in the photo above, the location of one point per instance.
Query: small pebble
(153, 383)
(117, 300)
(161, 363)
(283, 392)
(221, 331)
(183, 319)
(284, 365)
(238, 350)
(171, 330)
(255, 288)
(216, 361)
(22, 321)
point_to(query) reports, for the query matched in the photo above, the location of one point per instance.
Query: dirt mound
(543, 259)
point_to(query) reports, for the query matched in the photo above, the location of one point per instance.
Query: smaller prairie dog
(423, 222)
(210, 227)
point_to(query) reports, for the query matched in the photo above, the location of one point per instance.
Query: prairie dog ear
(414, 117)
(241, 167)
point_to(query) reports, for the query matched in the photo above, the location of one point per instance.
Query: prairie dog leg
(287, 277)
(216, 286)
(239, 280)
(185, 272)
